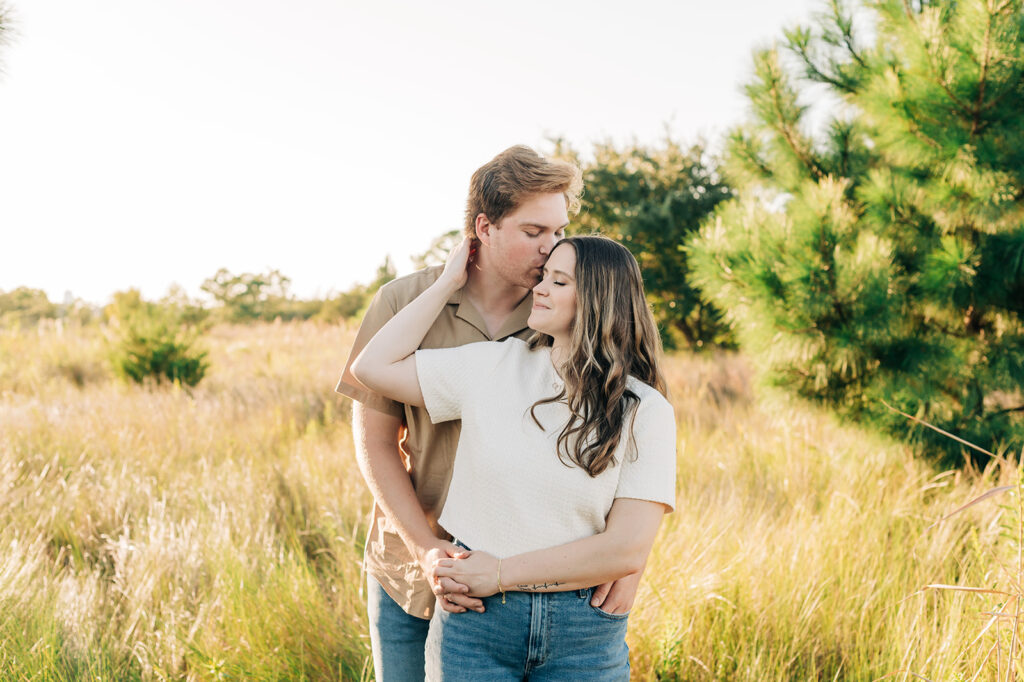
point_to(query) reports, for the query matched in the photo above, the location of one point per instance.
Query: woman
(564, 468)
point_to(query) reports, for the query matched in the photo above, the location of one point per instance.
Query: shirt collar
(513, 324)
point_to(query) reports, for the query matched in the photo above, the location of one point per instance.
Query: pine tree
(883, 261)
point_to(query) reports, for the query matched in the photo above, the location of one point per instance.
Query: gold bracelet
(499, 583)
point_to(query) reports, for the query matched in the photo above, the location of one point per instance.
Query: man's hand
(617, 596)
(451, 595)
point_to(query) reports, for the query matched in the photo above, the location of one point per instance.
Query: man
(517, 210)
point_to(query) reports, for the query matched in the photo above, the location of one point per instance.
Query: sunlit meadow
(158, 533)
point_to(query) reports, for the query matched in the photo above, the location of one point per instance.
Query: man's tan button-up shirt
(428, 449)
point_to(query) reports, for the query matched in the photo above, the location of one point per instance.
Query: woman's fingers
(458, 260)
(444, 571)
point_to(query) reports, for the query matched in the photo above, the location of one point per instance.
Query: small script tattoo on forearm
(537, 586)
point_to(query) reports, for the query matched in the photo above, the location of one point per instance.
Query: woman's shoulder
(518, 354)
(651, 399)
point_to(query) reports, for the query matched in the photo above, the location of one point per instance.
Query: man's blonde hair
(501, 185)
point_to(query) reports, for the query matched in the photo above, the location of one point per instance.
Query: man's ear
(483, 229)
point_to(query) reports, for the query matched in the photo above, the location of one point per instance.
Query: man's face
(522, 241)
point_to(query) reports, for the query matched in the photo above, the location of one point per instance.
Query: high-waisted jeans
(533, 636)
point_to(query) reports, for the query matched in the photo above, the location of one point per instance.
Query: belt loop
(582, 592)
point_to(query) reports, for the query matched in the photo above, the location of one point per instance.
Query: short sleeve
(380, 310)
(449, 376)
(649, 470)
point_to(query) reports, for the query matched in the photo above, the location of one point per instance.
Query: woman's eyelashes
(544, 275)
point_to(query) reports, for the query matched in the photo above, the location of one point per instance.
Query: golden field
(151, 532)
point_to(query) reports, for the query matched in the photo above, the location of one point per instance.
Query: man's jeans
(551, 636)
(397, 638)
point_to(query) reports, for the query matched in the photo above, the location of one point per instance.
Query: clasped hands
(460, 577)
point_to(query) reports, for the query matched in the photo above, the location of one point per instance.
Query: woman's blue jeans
(533, 636)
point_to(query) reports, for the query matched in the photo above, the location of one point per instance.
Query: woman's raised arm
(386, 365)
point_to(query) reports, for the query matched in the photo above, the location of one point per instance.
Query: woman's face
(554, 299)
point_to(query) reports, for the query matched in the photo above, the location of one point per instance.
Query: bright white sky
(146, 142)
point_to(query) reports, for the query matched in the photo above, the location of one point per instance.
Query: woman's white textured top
(510, 492)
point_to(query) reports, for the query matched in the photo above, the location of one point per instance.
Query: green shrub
(155, 344)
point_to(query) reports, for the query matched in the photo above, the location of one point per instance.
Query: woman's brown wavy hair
(613, 337)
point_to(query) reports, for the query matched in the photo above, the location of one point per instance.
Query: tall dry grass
(152, 533)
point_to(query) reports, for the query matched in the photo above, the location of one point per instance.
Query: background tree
(25, 306)
(884, 261)
(185, 308)
(351, 303)
(266, 296)
(438, 251)
(248, 296)
(385, 273)
(652, 199)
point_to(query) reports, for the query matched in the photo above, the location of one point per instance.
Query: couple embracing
(511, 422)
